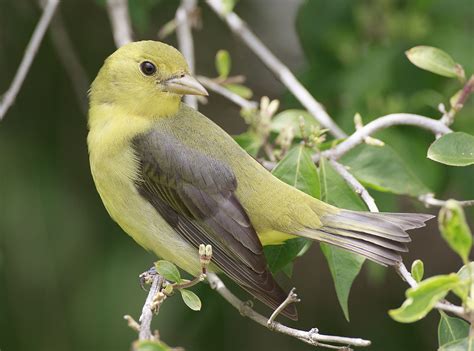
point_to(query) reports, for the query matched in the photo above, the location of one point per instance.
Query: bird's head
(145, 78)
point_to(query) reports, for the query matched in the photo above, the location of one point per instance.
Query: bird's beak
(184, 85)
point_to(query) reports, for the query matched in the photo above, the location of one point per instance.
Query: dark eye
(147, 68)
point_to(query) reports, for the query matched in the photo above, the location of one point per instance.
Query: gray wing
(195, 194)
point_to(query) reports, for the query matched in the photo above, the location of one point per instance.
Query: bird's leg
(147, 277)
(291, 298)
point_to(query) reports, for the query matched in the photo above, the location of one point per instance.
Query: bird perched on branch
(172, 179)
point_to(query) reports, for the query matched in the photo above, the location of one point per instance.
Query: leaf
(168, 270)
(240, 90)
(228, 5)
(465, 344)
(454, 229)
(191, 299)
(466, 275)
(223, 63)
(422, 298)
(417, 270)
(296, 169)
(344, 265)
(250, 142)
(435, 60)
(291, 119)
(453, 149)
(150, 345)
(381, 168)
(451, 329)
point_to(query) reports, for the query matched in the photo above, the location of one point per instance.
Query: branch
(120, 20)
(10, 95)
(150, 307)
(434, 126)
(240, 28)
(185, 40)
(219, 89)
(448, 116)
(429, 200)
(69, 59)
(312, 337)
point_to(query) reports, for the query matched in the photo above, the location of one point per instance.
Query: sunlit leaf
(344, 265)
(451, 329)
(453, 149)
(417, 270)
(381, 168)
(168, 270)
(228, 5)
(435, 60)
(466, 344)
(466, 276)
(292, 119)
(250, 142)
(422, 298)
(151, 345)
(454, 228)
(223, 63)
(240, 90)
(191, 299)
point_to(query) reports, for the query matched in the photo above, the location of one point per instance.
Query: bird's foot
(244, 307)
(147, 277)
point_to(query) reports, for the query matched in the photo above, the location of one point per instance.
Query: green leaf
(453, 149)
(168, 270)
(466, 275)
(279, 256)
(250, 142)
(298, 169)
(223, 63)
(191, 299)
(435, 60)
(422, 298)
(291, 119)
(240, 90)
(381, 168)
(454, 229)
(466, 344)
(451, 329)
(228, 5)
(344, 265)
(151, 345)
(417, 270)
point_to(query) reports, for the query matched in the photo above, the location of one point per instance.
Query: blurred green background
(68, 273)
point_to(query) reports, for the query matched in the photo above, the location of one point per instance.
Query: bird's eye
(147, 68)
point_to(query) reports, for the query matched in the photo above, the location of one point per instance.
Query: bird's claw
(147, 277)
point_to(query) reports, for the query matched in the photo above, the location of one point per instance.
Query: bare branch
(355, 184)
(150, 307)
(120, 21)
(240, 28)
(185, 40)
(69, 59)
(32, 48)
(429, 200)
(434, 126)
(291, 298)
(448, 116)
(312, 337)
(219, 89)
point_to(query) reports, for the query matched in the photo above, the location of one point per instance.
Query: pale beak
(184, 85)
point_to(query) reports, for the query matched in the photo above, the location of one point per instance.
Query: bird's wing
(195, 194)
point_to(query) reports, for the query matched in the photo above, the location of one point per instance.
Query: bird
(172, 179)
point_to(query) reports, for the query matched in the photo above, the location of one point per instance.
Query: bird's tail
(380, 237)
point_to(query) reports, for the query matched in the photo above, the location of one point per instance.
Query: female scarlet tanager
(172, 179)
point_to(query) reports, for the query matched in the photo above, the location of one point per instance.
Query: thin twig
(240, 28)
(32, 48)
(69, 59)
(433, 125)
(185, 40)
(312, 337)
(429, 200)
(219, 89)
(149, 308)
(291, 298)
(355, 184)
(448, 116)
(120, 21)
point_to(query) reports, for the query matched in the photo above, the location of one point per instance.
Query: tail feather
(378, 236)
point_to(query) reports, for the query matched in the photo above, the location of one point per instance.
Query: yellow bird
(172, 179)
